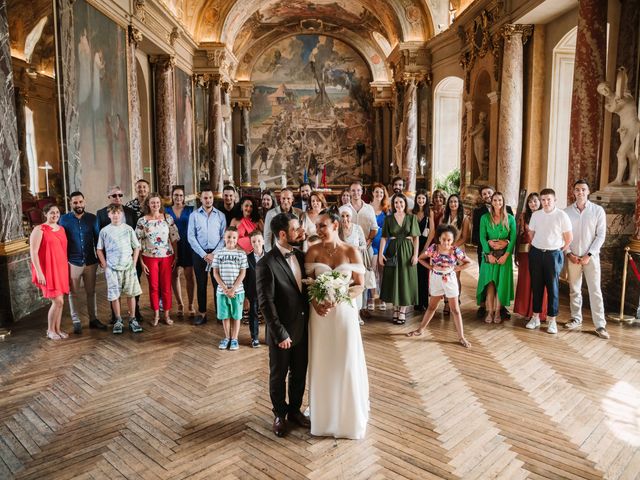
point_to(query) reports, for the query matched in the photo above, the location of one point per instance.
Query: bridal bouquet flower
(329, 287)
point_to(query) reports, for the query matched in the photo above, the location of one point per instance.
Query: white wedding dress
(338, 381)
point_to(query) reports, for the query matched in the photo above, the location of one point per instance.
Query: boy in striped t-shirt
(229, 267)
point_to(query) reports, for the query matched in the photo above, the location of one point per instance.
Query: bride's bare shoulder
(352, 253)
(313, 252)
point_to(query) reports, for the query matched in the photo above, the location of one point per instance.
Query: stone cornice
(382, 93)
(216, 59)
(241, 94)
(410, 60)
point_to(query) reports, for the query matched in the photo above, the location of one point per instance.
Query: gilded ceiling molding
(482, 36)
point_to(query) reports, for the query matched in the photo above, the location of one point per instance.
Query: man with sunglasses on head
(115, 196)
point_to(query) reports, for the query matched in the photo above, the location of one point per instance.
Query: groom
(285, 307)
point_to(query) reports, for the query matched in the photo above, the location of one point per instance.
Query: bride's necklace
(332, 251)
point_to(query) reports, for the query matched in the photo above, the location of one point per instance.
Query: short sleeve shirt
(444, 260)
(366, 218)
(549, 228)
(118, 243)
(156, 236)
(229, 264)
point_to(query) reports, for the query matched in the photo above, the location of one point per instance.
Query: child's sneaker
(224, 344)
(234, 345)
(117, 327)
(255, 343)
(134, 326)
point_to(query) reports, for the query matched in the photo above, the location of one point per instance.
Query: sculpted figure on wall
(480, 145)
(623, 104)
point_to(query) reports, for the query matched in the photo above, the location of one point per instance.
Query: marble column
(227, 135)
(10, 200)
(586, 103)
(494, 115)
(410, 141)
(166, 145)
(376, 170)
(511, 111)
(216, 162)
(245, 161)
(135, 119)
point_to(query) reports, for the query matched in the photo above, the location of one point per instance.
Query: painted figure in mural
(98, 75)
(479, 144)
(84, 62)
(263, 152)
(623, 104)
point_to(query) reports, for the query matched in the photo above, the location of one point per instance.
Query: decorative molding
(512, 29)
(135, 35)
(163, 61)
(139, 10)
(174, 35)
(383, 94)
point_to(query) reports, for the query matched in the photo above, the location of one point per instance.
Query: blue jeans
(253, 318)
(544, 268)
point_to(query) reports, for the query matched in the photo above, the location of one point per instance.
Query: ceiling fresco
(224, 20)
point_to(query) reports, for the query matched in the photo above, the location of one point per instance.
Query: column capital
(410, 58)
(382, 93)
(494, 97)
(215, 58)
(163, 61)
(241, 94)
(516, 29)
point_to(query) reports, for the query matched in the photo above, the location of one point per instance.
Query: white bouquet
(329, 287)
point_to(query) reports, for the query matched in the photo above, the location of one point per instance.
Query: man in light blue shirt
(205, 235)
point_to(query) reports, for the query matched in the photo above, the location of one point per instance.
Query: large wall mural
(311, 114)
(184, 130)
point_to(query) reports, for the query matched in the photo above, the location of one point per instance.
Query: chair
(35, 216)
(43, 202)
(28, 205)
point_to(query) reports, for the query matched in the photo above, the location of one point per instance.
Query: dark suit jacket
(284, 307)
(130, 217)
(477, 215)
(249, 281)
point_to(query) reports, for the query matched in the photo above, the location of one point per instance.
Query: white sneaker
(573, 324)
(552, 327)
(533, 323)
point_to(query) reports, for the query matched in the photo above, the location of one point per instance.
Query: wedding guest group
(404, 245)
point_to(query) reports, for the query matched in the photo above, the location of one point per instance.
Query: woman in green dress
(400, 274)
(498, 239)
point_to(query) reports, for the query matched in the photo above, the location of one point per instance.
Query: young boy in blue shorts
(229, 267)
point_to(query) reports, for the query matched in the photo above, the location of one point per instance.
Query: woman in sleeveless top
(49, 267)
(422, 213)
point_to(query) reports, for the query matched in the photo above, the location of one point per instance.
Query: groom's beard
(296, 243)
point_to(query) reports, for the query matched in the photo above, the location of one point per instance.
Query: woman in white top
(317, 203)
(352, 234)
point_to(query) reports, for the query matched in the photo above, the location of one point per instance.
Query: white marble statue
(480, 144)
(623, 104)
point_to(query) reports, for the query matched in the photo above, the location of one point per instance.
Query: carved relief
(138, 9)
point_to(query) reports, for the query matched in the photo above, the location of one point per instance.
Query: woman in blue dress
(180, 213)
(381, 207)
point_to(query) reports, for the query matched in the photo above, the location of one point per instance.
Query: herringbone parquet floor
(167, 404)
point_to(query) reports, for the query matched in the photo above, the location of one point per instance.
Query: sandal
(63, 335)
(192, 311)
(497, 318)
(53, 336)
(464, 342)
(402, 318)
(168, 321)
(414, 333)
(394, 319)
(180, 312)
(382, 306)
(154, 322)
(371, 306)
(489, 318)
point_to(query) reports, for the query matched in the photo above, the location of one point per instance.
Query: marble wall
(10, 210)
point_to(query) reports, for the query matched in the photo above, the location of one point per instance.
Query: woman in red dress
(248, 220)
(523, 304)
(49, 267)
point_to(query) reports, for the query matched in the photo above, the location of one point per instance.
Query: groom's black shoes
(279, 426)
(299, 419)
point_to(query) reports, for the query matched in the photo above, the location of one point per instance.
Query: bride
(338, 382)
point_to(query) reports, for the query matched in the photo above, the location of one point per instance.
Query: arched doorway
(447, 127)
(560, 115)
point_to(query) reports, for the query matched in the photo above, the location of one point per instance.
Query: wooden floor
(168, 404)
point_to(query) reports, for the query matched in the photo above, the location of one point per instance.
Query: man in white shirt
(286, 206)
(551, 231)
(364, 215)
(589, 224)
